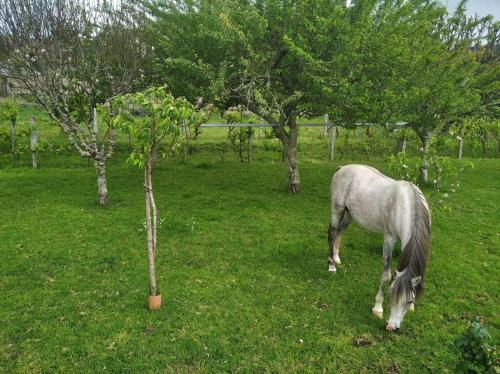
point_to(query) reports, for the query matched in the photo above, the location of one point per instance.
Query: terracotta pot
(154, 302)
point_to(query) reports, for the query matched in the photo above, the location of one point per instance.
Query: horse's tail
(415, 255)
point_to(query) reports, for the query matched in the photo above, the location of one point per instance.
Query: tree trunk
(13, 140)
(287, 139)
(34, 143)
(290, 150)
(289, 142)
(150, 227)
(250, 145)
(483, 135)
(293, 169)
(101, 182)
(4, 87)
(424, 168)
(240, 144)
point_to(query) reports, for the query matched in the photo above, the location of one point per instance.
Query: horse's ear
(415, 281)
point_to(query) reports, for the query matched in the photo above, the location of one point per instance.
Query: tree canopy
(375, 61)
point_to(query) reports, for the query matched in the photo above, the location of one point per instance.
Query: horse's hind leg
(389, 243)
(341, 218)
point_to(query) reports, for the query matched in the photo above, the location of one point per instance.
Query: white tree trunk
(293, 169)
(290, 155)
(460, 147)
(13, 141)
(102, 188)
(34, 143)
(150, 228)
(403, 145)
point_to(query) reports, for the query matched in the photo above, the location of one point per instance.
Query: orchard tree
(437, 84)
(69, 56)
(265, 55)
(155, 135)
(480, 35)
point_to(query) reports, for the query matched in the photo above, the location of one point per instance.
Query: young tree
(155, 135)
(9, 111)
(71, 55)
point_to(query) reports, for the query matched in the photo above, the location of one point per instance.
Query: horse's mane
(415, 255)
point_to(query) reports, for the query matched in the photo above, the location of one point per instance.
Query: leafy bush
(476, 354)
(239, 137)
(443, 173)
(479, 134)
(404, 167)
(9, 110)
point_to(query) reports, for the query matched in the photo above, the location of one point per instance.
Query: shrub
(476, 354)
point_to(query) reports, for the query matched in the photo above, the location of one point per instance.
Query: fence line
(308, 124)
(325, 124)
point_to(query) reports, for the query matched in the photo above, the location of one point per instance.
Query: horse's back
(372, 198)
(349, 179)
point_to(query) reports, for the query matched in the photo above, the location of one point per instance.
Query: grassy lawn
(241, 265)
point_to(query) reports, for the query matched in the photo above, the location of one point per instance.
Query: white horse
(397, 209)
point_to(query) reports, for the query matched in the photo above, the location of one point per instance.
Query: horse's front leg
(389, 243)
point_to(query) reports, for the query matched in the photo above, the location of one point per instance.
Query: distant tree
(436, 82)
(480, 35)
(160, 131)
(69, 56)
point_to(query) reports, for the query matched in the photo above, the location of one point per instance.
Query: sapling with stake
(9, 112)
(159, 132)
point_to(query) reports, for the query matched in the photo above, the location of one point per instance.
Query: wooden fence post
(34, 143)
(331, 144)
(325, 120)
(460, 147)
(13, 139)
(250, 144)
(403, 145)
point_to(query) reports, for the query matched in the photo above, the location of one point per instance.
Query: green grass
(241, 265)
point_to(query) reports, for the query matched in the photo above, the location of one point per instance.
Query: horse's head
(404, 289)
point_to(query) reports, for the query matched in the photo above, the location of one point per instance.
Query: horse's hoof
(411, 308)
(378, 313)
(331, 268)
(337, 260)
